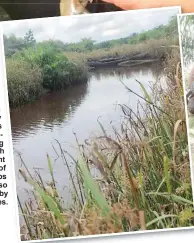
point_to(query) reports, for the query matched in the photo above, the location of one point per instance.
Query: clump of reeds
(143, 173)
(24, 82)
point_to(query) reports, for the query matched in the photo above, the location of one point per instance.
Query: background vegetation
(13, 44)
(35, 67)
(53, 64)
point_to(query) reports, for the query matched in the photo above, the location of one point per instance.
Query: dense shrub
(24, 81)
(57, 70)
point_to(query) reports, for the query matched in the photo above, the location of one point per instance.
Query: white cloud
(111, 33)
(99, 27)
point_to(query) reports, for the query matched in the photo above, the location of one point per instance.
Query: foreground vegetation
(186, 27)
(35, 67)
(143, 180)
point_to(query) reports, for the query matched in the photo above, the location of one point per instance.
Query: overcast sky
(100, 27)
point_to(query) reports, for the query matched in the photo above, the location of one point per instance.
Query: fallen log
(102, 64)
(131, 63)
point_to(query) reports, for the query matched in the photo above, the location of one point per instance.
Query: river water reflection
(76, 110)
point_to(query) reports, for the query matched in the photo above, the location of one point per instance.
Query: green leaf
(172, 197)
(93, 187)
(147, 96)
(162, 182)
(50, 164)
(52, 205)
(160, 218)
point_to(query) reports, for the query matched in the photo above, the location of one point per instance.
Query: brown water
(76, 110)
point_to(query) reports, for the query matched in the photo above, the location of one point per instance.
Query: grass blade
(93, 187)
(172, 197)
(147, 96)
(160, 218)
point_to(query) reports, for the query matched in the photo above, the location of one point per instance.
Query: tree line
(13, 44)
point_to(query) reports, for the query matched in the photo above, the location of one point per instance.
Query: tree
(103, 45)
(13, 44)
(87, 43)
(172, 27)
(142, 36)
(29, 38)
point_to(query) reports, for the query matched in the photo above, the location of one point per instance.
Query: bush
(57, 70)
(24, 81)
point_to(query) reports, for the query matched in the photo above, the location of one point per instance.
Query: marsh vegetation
(131, 176)
(136, 177)
(33, 67)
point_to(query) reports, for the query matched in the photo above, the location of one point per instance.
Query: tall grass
(143, 180)
(24, 81)
(155, 49)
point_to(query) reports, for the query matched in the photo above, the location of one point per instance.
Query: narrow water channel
(59, 115)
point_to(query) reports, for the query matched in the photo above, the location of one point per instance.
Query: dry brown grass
(155, 48)
(24, 81)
